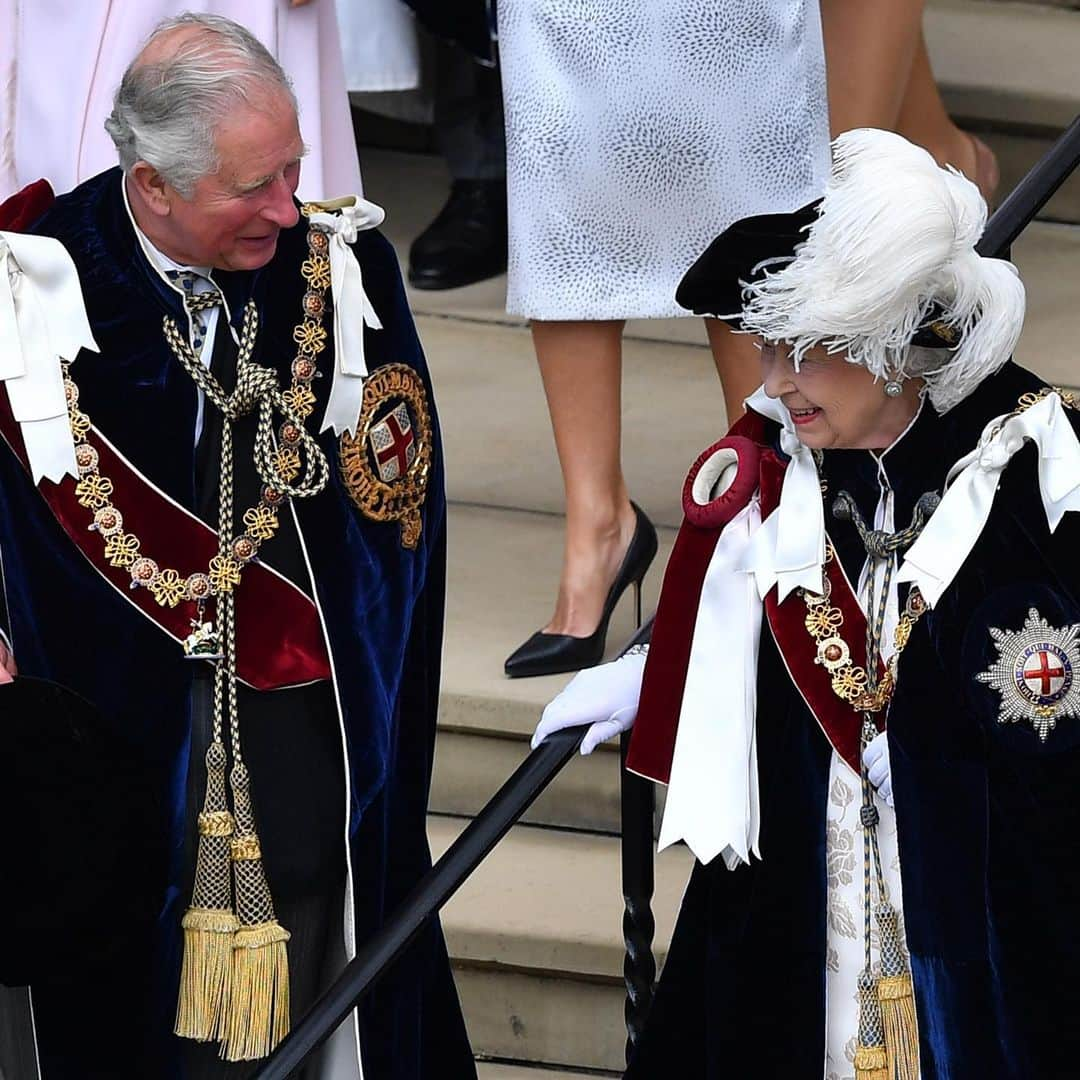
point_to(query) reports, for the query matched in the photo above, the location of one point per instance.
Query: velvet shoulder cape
(380, 607)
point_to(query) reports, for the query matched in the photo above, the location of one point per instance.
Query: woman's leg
(923, 120)
(737, 363)
(581, 365)
(870, 46)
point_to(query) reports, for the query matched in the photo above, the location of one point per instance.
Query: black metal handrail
(470, 849)
(1032, 193)
(543, 764)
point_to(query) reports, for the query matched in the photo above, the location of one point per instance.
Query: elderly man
(232, 547)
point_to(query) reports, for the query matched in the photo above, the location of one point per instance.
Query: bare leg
(923, 120)
(581, 365)
(870, 46)
(737, 363)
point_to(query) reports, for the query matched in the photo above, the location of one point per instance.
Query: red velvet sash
(652, 745)
(279, 640)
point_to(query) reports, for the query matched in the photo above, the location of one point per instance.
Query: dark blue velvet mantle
(383, 610)
(988, 820)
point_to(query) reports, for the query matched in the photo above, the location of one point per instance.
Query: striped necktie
(198, 303)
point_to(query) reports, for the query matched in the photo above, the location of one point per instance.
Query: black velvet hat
(79, 815)
(714, 284)
(754, 246)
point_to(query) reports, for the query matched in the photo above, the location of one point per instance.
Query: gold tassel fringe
(206, 974)
(258, 1012)
(871, 1063)
(901, 1026)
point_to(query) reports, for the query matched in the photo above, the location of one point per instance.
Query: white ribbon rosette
(42, 322)
(352, 308)
(936, 557)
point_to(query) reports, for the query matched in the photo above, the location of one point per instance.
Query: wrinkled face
(835, 404)
(234, 215)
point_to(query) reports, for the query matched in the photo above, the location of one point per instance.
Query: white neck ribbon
(43, 321)
(352, 307)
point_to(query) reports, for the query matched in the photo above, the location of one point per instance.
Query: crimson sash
(652, 744)
(279, 634)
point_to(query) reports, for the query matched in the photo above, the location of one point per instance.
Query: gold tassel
(901, 1027)
(209, 924)
(259, 1005)
(258, 1011)
(896, 995)
(871, 1063)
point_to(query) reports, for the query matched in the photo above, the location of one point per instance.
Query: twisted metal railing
(544, 763)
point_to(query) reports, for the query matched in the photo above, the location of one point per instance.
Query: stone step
(535, 936)
(1006, 63)
(493, 1070)
(502, 568)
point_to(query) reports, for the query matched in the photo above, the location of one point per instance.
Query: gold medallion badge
(385, 466)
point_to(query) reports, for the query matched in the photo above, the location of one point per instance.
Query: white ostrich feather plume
(895, 235)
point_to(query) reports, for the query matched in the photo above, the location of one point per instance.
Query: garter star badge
(1035, 673)
(385, 466)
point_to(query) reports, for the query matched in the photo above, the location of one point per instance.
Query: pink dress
(60, 65)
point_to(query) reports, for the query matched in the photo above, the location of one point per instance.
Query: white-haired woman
(898, 491)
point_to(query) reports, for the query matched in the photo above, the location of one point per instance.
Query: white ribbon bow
(42, 321)
(352, 308)
(712, 799)
(788, 551)
(936, 557)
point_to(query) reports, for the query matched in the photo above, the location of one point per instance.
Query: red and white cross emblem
(394, 444)
(1044, 672)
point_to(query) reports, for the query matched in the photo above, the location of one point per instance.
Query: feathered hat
(883, 261)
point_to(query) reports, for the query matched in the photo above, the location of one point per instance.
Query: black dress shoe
(549, 654)
(466, 242)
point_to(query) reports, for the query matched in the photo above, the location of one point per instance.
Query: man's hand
(8, 670)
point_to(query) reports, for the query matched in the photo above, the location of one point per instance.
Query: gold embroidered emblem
(386, 465)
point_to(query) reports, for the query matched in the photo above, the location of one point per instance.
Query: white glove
(876, 759)
(605, 697)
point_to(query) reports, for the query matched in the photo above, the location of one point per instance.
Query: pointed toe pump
(550, 654)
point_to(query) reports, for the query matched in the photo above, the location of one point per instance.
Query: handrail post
(638, 881)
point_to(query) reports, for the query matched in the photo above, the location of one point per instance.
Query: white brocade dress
(844, 854)
(637, 132)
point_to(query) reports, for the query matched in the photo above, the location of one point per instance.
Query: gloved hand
(876, 759)
(605, 696)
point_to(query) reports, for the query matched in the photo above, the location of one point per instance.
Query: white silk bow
(788, 550)
(936, 557)
(712, 798)
(352, 308)
(42, 321)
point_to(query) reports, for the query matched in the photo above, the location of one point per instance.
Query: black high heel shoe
(550, 654)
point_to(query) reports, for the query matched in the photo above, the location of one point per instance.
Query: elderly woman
(874, 602)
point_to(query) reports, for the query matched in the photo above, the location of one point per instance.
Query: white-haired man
(232, 545)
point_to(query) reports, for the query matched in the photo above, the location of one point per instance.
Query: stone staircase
(535, 934)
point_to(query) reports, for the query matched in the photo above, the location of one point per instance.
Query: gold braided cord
(278, 466)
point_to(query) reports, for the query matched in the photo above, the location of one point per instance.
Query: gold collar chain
(124, 549)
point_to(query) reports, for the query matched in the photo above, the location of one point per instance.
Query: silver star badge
(1035, 673)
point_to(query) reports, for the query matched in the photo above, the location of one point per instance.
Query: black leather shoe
(549, 654)
(466, 242)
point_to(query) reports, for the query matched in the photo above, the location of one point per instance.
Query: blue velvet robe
(988, 820)
(383, 611)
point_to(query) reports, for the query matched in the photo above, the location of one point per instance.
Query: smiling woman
(834, 404)
(863, 663)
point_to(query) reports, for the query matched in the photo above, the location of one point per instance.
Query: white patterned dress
(637, 130)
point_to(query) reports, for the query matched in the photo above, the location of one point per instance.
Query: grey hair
(166, 112)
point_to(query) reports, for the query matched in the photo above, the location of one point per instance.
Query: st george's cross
(1035, 673)
(393, 443)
